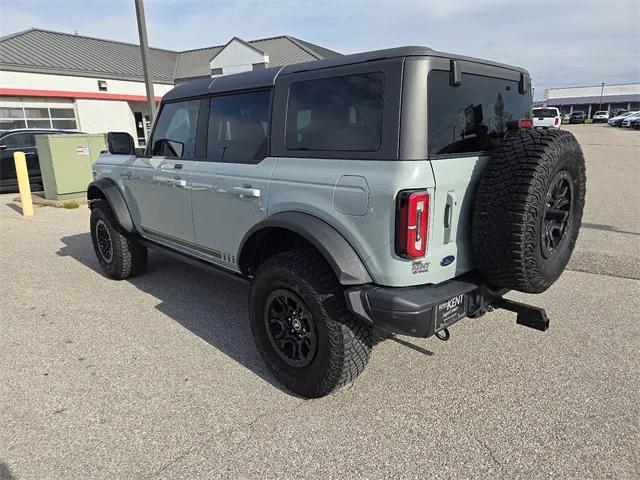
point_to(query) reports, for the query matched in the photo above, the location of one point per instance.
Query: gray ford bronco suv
(395, 191)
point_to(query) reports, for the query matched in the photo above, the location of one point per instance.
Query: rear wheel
(119, 255)
(301, 325)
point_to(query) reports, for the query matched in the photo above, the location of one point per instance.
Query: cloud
(575, 42)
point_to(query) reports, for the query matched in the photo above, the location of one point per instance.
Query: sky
(560, 42)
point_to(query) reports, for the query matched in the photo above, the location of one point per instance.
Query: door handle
(449, 224)
(29, 153)
(247, 192)
(176, 182)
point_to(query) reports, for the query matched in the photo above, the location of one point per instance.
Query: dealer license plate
(451, 311)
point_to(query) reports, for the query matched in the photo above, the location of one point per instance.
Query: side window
(175, 132)
(473, 116)
(336, 114)
(19, 140)
(238, 127)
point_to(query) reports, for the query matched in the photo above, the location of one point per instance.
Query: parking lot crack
(224, 433)
(490, 452)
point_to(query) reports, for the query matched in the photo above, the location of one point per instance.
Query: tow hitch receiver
(533, 317)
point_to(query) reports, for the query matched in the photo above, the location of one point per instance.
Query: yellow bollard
(23, 183)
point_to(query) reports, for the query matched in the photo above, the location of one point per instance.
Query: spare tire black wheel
(528, 209)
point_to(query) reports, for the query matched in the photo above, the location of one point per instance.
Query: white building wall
(101, 116)
(237, 57)
(69, 83)
(592, 91)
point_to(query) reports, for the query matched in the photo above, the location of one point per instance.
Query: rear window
(473, 116)
(545, 112)
(336, 114)
(238, 126)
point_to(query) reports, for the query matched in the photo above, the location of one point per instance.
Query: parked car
(548, 117)
(626, 121)
(617, 121)
(618, 113)
(635, 123)
(566, 116)
(352, 198)
(21, 140)
(577, 117)
(600, 116)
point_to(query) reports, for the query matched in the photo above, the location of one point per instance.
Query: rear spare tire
(528, 209)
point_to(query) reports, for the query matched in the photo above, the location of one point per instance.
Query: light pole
(144, 49)
(601, 92)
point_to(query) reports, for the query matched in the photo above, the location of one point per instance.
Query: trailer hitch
(528, 316)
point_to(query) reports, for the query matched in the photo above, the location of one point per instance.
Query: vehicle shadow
(5, 472)
(212, 306)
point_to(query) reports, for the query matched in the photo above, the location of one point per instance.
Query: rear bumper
(420, 311)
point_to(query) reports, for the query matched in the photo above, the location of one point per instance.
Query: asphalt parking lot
(158, 377)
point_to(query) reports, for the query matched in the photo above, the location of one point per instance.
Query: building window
(102, 85)
(11, 118)
(259, 66)
(37, 117)
(216, 71)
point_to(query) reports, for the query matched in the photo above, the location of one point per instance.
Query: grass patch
(71, 204)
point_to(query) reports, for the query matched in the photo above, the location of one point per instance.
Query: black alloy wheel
(105, 245)
(290, 328)
(557, 214)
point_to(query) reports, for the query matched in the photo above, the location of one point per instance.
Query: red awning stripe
(23, 92)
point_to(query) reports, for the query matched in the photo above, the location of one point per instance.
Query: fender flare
(115, 199)
(342, 258)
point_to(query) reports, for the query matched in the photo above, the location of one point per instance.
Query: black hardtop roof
(267, 77)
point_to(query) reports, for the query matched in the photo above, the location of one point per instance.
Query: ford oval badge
(448, 260)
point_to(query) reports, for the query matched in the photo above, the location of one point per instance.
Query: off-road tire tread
(130, 258)
(509, 201)
(350, 339)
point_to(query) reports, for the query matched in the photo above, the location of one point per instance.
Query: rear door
(231, 188)
(465, 123)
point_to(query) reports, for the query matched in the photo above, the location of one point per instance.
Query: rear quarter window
(336, 114)
(473, 116)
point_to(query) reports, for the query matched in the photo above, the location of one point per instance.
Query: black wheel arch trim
(341, 256)
(116, 201)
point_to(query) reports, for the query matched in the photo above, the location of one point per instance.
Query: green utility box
(66, 163)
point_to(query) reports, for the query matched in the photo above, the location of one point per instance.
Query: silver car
(388, 192)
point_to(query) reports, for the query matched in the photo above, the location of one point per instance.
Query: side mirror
(120, 143)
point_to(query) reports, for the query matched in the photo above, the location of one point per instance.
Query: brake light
(556, 121)
(412, 221)
(525, 123)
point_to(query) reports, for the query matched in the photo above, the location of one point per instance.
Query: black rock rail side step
(528, 316)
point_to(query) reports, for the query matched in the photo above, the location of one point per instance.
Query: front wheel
(119, 255)
(301, 325)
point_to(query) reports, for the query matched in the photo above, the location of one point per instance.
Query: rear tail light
(556, 121)
(412, 222)
(525, 123)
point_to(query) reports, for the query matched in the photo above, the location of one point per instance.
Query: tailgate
(456, 182)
